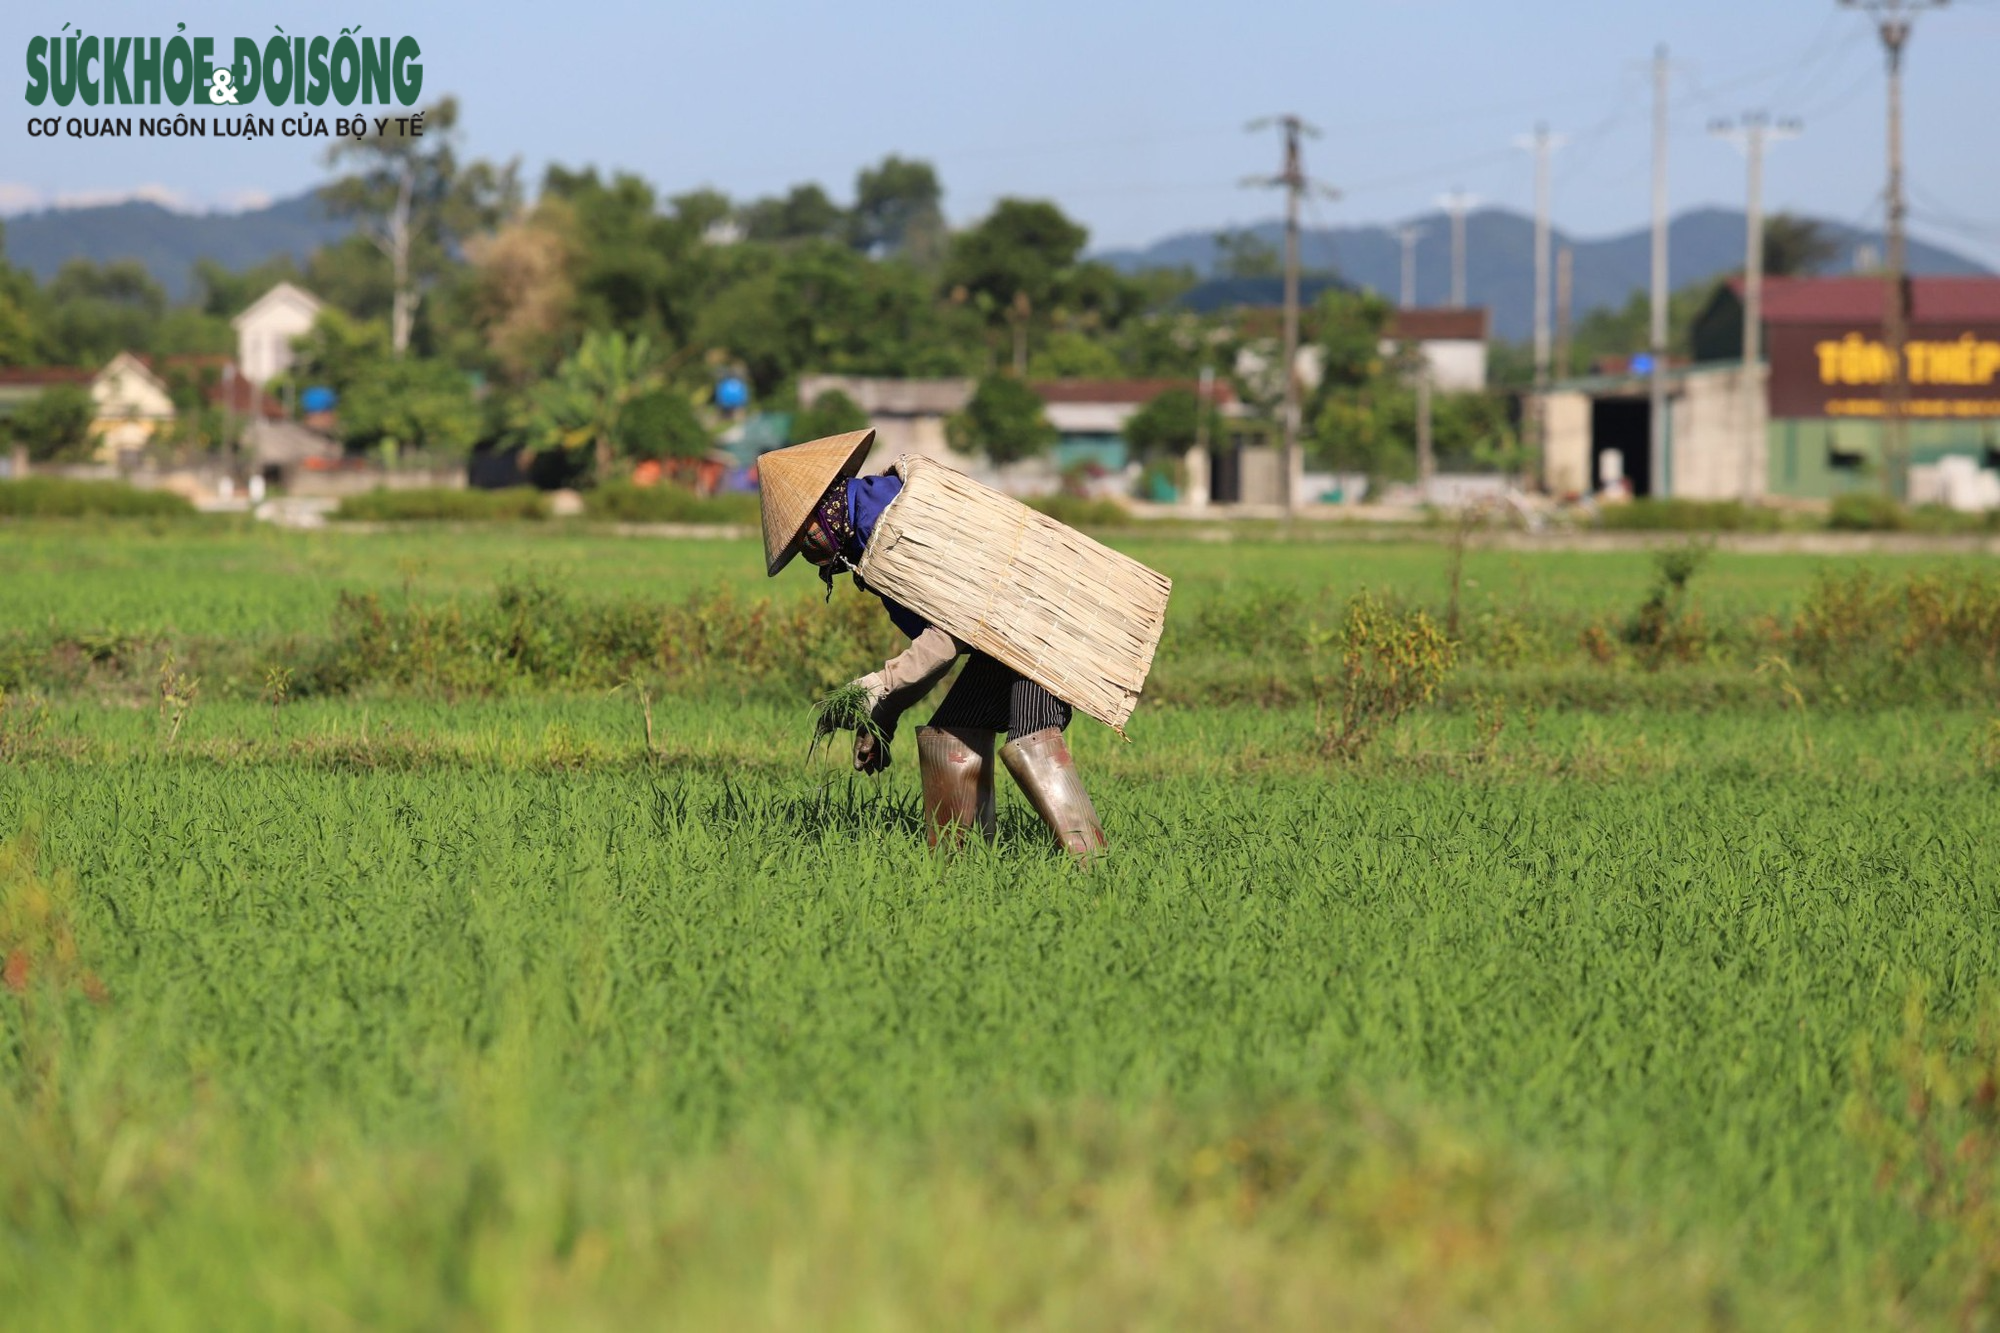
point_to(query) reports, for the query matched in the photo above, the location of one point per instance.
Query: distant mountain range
(166, 242)
(1500, 264)
(1500, 259)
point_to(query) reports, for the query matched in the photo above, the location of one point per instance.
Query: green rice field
(448, 929)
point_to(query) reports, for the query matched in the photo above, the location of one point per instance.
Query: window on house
(1851, 445)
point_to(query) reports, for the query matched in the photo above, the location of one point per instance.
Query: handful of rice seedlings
(843, 709)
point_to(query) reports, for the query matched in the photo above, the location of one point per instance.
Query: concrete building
(1089, 416)
(1806, 425)
(264, 331)
(1599, 436)
(1452, 343)
(908, 415)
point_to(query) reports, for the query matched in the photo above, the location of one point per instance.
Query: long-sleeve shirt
(910, 674)
(867, 497)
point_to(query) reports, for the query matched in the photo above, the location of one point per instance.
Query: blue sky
(1131, 116)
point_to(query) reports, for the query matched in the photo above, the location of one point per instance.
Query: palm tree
(586, 400)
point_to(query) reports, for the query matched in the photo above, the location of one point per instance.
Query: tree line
(590, 322)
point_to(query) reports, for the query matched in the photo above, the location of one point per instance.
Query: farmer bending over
(814, 503)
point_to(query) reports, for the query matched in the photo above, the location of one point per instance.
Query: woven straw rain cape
(1070, 614)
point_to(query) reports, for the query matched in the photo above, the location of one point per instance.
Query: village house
(265, 329)
(908, 414)
(1450, 341)
(133, 406)
(133, 396)
(1089, 416)
(132, 400)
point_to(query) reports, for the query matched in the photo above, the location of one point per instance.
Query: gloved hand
(871, 743)
(871, 752)
(873, 691)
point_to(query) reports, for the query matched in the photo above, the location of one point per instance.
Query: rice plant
(402, 985)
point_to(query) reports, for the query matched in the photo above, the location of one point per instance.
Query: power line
(1591, 140)
(1708, 95)
(1826, 42)
(1843, 98)
(1936, 209)
(1425, 174)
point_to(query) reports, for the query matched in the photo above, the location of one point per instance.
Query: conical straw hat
(792, 480)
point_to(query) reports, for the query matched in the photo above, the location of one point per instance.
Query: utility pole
(1565, 304)
(1753, 134)
(1200, 481)
(1542, 144)
(1409, 234)
(1661, 481)
(1293, 179)
(1456, 204)
(1426, 460)
(1022, 309)
(1893, 20)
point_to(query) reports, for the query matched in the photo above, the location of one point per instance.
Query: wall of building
(916, 436)
(1717, 436)
(1818, 459)
(1566, 449)
(265, 331)
(132, 406)
(908, 414)
(1262, 470)
(1457, 365)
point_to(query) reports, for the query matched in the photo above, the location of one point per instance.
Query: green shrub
(832, 413)
(1927, 636)
(55, 424)
(1078, 512)
(442, 503)
(1667, 626)
(59, 497)
(1389, 663)
(531, 633)
(1939, 520)
(622, 502)
(1866, 513)
(1688, 516)
(1926, 1110)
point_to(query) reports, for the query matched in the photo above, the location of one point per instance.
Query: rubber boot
(1041, 763)
(956, 765)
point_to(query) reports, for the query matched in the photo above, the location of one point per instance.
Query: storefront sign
(1840, 371)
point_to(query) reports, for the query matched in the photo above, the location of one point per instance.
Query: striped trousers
(989, 696)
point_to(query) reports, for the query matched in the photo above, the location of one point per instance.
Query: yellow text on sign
(1966, 360)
